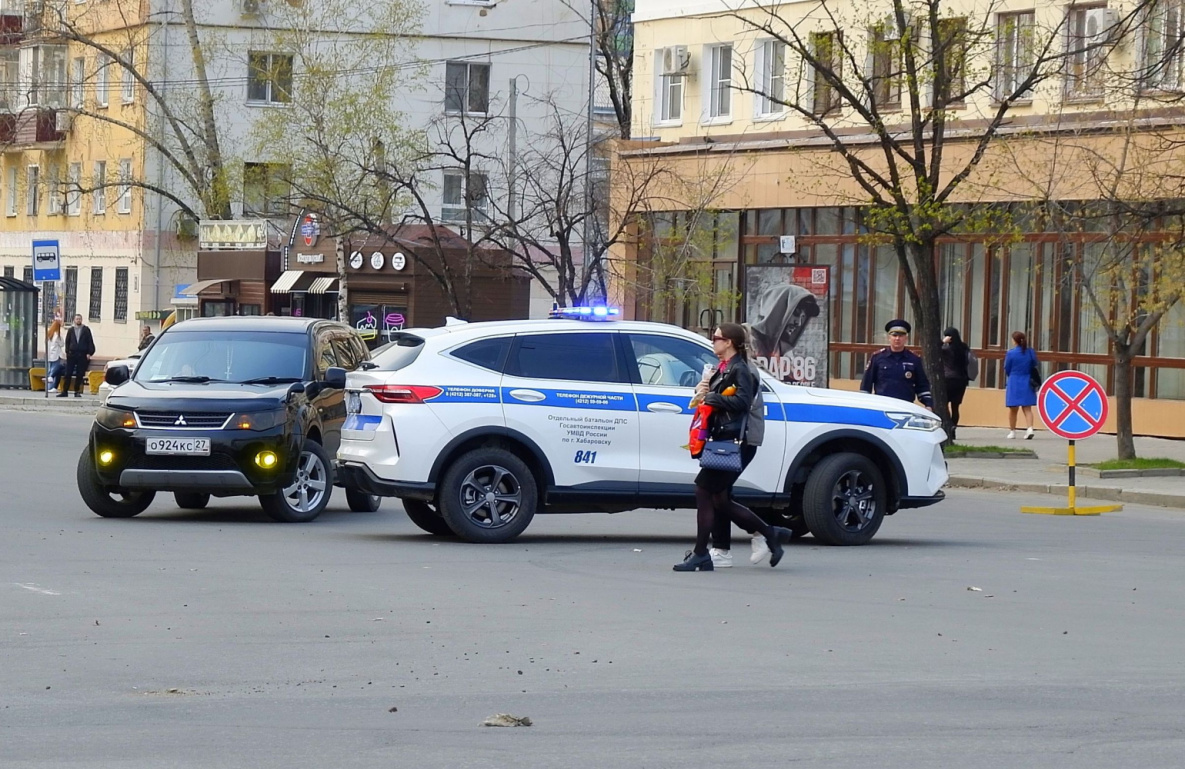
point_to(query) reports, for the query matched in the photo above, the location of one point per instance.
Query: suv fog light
(266, 459)
(106, 457)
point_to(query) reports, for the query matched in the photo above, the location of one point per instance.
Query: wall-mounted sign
(356, 260)
(310, 258)
(398, 261)
(787, 244)
(310, 230)
(245, 235)
(377, 260)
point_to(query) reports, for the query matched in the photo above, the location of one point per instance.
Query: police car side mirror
(116, 375)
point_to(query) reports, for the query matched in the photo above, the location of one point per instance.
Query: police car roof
(494, 327)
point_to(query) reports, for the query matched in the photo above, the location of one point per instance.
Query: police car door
(568, 391)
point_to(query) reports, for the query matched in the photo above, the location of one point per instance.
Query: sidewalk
(27, 400)
(1048, 474)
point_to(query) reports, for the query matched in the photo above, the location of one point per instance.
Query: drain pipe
(160, 166)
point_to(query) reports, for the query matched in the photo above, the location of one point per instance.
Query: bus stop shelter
(18, 331)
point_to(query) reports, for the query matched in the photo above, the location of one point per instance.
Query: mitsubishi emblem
(180, 421)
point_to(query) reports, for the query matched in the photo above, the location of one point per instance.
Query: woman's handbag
(724, 455)
(1034, 373)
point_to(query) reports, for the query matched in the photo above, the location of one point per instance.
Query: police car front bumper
(909, 502)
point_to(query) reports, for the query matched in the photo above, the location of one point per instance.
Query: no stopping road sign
(1072, 405)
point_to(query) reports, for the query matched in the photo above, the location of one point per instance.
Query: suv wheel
(309, 493)
(425, 516)
(844, 500)
(361, 502)
(488, 495)
(188, 500)
(109, 503)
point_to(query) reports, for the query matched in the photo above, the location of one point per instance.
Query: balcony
(12, 24)
(40, 18)
(36, 127)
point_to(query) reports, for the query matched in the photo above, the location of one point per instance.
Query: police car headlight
(922, 422)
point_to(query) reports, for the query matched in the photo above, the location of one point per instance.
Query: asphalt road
(218, 639)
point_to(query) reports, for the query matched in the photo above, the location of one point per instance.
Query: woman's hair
(1021, 340)
(54, 328)
(735, 333)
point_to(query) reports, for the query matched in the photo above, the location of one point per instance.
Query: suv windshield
(225, 356)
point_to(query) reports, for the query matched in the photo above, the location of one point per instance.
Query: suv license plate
(184, 447)
(353, 403)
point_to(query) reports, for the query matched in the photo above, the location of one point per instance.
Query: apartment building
(733, 96)
(99, 92)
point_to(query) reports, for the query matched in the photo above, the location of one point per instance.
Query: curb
(1107, 493)
(1156, 472)
(70, 406)
(992, 455)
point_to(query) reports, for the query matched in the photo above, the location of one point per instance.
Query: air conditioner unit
(63, 121)
(1100, 24)
(676, 60)
(252, 7)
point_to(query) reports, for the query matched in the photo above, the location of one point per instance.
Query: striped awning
(286, 281)
(323, 285)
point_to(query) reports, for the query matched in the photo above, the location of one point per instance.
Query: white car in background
(105, 389)
(477, 427)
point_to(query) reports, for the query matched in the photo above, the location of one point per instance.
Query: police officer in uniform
(895, 371)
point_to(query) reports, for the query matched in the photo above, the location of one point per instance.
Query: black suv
(226, 407)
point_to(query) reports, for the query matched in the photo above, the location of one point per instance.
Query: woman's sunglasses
(719, 339)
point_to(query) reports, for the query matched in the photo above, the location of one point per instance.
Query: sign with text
(47, 260)
(787, 309)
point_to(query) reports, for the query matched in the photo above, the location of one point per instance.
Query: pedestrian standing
(959, 368)
(896, 372)
(733, 418)
(80, 348)
(1020, 365)
(55, 354)
(146, 338)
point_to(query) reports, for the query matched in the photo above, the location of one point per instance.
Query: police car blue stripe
(362, 422)
(466, 394)
(574, 399)
(837, 415)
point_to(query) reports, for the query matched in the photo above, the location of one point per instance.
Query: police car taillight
(403, 393)
(596, 312)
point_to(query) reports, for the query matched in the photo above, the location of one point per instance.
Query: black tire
(425, 516)
(191, 500)
(309, 493)
(488, 495)
(361, 502)
(109, 503)
(844, 500)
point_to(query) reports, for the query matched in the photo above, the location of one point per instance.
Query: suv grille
(212, 462)
(201, 420)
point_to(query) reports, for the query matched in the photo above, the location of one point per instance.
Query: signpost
(1072, 405)
(47, 268)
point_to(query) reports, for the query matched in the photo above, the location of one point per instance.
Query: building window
(265, 189)
(952, 47)
(269, 78)
(467, 87)
(1014, 53)
(128, 81)
(1163, 31)
(1087, 31)
(70, 308)
(54, 191)
(74, 189)
(77, 82)
(669, 66)
(719, 81)
(886, 65)
(9, 271)
(45, 66)
(102, 78)
(33, 190)
(99, 183)
(10, 69)
(10, 192)
(124, 204)
(121, 293)
(96, 308)
(827, 50)
(459, 197)
(771, 73)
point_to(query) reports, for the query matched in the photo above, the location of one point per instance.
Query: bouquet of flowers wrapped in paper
(698, 436)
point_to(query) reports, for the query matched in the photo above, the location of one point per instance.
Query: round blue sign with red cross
(1072, 405)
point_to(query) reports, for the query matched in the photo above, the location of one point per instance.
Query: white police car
(477, 427)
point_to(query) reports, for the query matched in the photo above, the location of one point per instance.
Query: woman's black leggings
(715, 515)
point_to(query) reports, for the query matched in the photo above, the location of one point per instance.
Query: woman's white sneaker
(1011, 434)
(721, 559)
(1029, 434)
(760, 549)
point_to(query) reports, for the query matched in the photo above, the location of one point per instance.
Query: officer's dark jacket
(897, 375)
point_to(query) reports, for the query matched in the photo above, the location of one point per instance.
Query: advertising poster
(787, 309)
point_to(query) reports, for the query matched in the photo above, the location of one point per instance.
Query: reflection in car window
(234, 356)
(669, 361)
(575, 356)
(325, 357)
(347, 356)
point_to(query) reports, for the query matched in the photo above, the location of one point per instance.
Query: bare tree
(612, 39)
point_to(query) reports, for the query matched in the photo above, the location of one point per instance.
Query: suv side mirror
(116, 375)
(335, 377)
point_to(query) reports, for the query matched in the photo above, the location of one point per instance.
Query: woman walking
(737, 416)
(55, 355)
(1019, 366)
(957, 362)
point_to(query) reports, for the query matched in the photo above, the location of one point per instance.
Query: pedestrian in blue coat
(1019, 366)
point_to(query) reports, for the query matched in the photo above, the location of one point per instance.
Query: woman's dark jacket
(728, 411)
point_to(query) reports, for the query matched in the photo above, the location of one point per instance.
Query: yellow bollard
(1072, 493)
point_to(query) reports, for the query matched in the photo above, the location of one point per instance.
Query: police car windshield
(228, 356)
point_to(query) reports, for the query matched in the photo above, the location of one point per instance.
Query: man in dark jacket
(80, 348)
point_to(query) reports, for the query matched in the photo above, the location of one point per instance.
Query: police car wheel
(361, 502)
(844, 500)
(488, 495)
(425, 516)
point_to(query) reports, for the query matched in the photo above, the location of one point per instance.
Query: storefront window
(728, 236)
(217, 309)
(1019, 308)
(769, 222)
(952, 283)
(884, 295)
(827, 221)
(1170, 382)
(377, 323)
(974, 335)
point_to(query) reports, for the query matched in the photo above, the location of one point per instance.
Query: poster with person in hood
(786, 306)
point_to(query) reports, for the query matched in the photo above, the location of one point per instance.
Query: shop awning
(193, 289)
(323, 285)
(287, 281)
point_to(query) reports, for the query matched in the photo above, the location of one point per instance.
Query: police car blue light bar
(595, 312)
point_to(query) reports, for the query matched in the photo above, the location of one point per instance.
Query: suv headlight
(922, 422)
(257, 420)
(115, 418)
